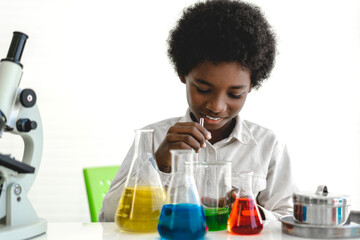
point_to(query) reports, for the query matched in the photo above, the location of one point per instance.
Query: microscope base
(23, 231)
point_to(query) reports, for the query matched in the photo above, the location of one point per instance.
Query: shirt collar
(241, 131)
(187, 117)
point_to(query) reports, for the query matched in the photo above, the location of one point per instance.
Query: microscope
(19, 115)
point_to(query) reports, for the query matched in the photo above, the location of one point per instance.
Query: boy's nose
(216, 104)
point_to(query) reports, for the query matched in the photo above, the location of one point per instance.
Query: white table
(109, 231)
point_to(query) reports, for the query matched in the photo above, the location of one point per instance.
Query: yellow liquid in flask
(139, 208)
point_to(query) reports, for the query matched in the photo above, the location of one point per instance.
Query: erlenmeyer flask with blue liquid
(182, 217)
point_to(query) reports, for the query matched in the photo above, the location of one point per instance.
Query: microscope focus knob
(25, 125)
(27, 98)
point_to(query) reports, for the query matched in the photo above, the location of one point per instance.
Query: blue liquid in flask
(182, 221)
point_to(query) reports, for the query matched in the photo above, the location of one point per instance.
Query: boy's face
(217, 92)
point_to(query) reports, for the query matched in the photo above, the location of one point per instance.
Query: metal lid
(321, 197)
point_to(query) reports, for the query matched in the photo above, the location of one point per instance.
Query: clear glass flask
(213, 181)
(143, 195)
(182, 217)
(245, 218)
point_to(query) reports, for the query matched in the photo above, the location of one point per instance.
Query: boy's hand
(183, 135)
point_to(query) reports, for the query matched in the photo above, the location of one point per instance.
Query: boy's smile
(217, 93)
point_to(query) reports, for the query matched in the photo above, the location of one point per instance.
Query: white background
(100, 70)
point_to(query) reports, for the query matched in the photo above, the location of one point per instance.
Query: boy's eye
(200, 90)
(236, 96)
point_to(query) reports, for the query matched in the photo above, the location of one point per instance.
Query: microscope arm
(33, 144)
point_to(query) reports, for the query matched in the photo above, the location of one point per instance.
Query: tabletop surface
(110, 231)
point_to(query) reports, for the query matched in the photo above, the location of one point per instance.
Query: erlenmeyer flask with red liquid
(245, 218)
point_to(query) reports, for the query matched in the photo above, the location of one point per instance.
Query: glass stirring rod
(212, 157)
(201, 122)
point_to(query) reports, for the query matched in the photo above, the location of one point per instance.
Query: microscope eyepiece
(16, 47)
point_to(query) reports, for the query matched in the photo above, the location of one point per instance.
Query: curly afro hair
(223, 31)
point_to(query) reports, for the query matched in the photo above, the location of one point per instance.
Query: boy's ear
(182, 79)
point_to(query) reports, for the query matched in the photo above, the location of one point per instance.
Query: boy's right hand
(182, 135)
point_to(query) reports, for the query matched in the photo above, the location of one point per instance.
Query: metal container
(351, 229)
(321, 208)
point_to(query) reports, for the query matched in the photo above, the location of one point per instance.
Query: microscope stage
(19, 167)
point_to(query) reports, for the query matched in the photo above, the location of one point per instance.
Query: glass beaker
(182, 217)
(213, 180)
(143, 195)
(245, 217)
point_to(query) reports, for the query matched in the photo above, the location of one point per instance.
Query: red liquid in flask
(244, 217)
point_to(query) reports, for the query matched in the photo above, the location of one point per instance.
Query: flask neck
(245, 188)
(184, 170)
(182, 187)
(182, 162)
(143, 168)
(144, 142)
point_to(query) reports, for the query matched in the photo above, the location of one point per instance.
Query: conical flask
(245, 217)
(143, 195)
(182, 217)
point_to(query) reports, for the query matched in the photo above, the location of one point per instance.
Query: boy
(221, 50)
